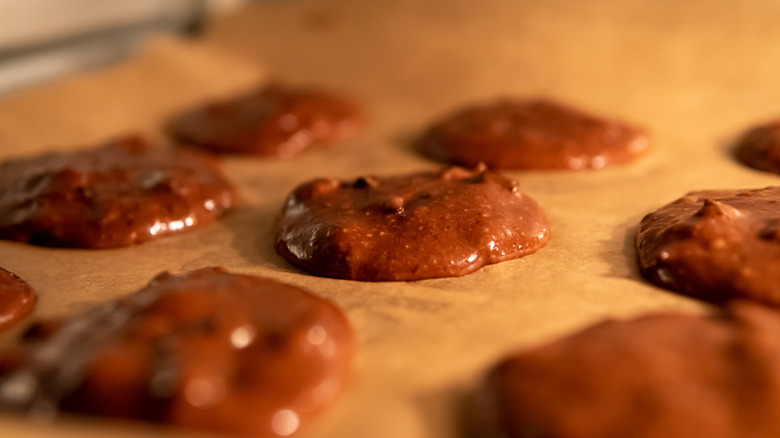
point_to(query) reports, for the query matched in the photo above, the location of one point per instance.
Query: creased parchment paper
(694, 73)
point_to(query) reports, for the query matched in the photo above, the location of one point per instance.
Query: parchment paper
(694, 73)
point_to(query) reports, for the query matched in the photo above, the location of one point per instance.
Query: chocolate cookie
(119, 194)
(759, 148)
(657, 376)
(17, 298)
(275, 121)
(411, 227)
(207, 350)
(531, 134)
(715, 245)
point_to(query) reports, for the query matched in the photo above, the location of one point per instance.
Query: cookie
(122, 193)
(17, 299)
(657, 376)
(759, 148)
(207, 350)
(715, 245)
(409, 227)
(273, 121)
(531, 134)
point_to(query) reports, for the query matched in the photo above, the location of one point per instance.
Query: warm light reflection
(242, 336)
(317, 335)
(203, 392)
(19, 387)
(156, 228)
(285, 422)
(639, 144)
(159, 227)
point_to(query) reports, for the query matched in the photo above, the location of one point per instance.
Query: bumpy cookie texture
(531, 134)
(119, 194)
(273, 121)
(17, 298)
(759, 148)
(411, 227)
(208, 350)
(715, 245)
(657, 376)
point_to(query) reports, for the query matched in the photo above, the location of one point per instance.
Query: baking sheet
(694, 73)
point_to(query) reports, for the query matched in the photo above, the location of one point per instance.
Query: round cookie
(759, 148)
(531, 134)
(208, 350)
(119, 194)
(273, 121)
(17, 298)
(715, 245)
(410, 227)
(657, 376)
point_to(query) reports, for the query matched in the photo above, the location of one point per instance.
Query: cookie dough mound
(759, 148)
(273, 121)
(715, 245)
(531, 134)
(17, 298)
(119, 194)
(207, 350)
(657, 376)
(410, 227)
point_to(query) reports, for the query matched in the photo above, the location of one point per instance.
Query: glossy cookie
(124, 192)
(17, 298)
(409, 227)
(208, 350)
(715, 245)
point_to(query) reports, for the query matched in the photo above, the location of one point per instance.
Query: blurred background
(43, 39)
